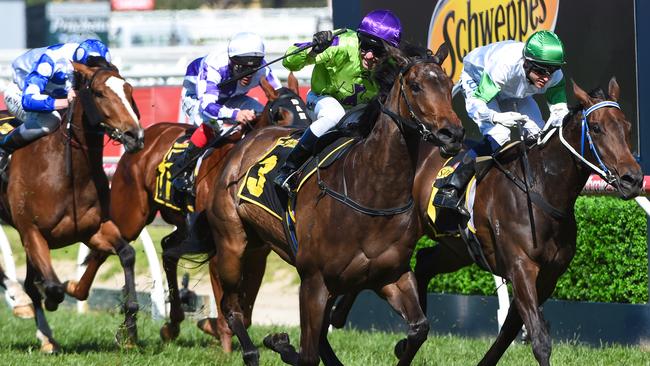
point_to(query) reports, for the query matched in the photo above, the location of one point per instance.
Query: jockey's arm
(272, 79)
(208, 93)
(557, 102)
(34, 98)
(476, 104)
(306, 57)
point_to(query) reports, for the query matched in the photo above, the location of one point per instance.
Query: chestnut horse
(342, 249)
(504, 227)
(133, 206)
(57, 193)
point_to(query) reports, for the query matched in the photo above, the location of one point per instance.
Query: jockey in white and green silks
(341, 78)
(498, 81)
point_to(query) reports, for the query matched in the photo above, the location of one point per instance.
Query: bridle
(601, 169)
(413, 123)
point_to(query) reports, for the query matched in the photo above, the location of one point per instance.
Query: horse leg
(327, 354)
(446, 257)
(341, 310)
(313, 303)
(43, 333)
(38, 253)
(229, 271)
(108, 239)
(80, 289)
(524, 306)
(403, 297)
(171, 329)
(217, 327)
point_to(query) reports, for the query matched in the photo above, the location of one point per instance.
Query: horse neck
(388, 156)
(563, 174)
(86, 142)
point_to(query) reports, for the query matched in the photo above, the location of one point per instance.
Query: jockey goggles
(542, 70)
(243, 64)
(371, 44)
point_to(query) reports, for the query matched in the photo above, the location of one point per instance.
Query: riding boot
(296, 158)
(449, 195)
(10, 143)
(181, 170)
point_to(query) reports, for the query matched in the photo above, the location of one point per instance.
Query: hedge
(610, 265)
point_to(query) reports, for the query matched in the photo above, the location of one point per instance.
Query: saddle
(258, 187)
(165, 193)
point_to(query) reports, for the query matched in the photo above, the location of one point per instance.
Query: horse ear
(292, 83)
(614, 90)
(442, 53)
(581, 95)
(80, 74)
(271, 94)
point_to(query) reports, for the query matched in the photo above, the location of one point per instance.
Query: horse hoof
(50, 348)
(275, 340)
(125, 338)
(400, 347)
(252, 358)
(208, 326)
(51, 305)
(24, 311)
(169, 332)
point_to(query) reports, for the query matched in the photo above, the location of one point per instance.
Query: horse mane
(385, 74)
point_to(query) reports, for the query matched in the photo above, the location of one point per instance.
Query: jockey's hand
(61, 104)
(322, 40)
(245, 115)
(71, 96)
(508, 119)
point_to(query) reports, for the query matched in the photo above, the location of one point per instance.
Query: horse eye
(595, 127)
(415, 87)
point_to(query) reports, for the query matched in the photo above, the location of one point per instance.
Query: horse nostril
(633, 180)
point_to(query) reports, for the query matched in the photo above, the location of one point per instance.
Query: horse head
(423, 91)
(605, 124)
(107, 101)
(285, 106)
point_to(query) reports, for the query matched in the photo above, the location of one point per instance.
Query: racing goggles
(543, 70)
(243, 64)
(371, 44)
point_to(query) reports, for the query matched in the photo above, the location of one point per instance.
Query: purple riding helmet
(382, 24)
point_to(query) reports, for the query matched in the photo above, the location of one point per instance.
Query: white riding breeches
(325, 111)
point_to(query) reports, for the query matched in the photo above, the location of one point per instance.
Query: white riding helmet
(246, 44)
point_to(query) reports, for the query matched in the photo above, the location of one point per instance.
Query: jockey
(219, 103)
(498, 81)
(340, 80)
(43, 86)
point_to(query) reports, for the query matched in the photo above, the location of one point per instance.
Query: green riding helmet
(544, 47)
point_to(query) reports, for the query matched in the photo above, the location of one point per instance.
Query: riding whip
(250, 72)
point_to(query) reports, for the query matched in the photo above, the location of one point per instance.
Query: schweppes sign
(467, 24)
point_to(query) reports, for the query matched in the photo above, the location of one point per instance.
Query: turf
(88, 340)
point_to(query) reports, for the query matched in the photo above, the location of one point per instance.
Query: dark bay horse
(133, 206)
(533, 251)
(57, 193)
(343, 250)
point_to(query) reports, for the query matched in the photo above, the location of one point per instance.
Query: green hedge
(610, 264)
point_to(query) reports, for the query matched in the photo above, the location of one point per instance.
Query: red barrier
(597, 186)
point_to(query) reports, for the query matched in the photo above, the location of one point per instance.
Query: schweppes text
(466, 24)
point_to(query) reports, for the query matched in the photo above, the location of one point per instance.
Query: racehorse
(528, 241)
(133, 206)
(57, 193)
(342, 249)
(504, 226)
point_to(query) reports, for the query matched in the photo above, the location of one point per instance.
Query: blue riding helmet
(91, 47)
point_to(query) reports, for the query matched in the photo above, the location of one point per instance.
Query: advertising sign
(117, 5)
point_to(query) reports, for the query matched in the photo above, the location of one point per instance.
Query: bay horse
(503, 224)
(133, 205)
(57, 193)
(533, 251)
(343, 250)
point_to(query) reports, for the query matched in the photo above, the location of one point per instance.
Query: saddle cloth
(258, 187)
(165, 193)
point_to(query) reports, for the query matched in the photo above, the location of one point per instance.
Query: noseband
(585, 135)
(413, 123)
